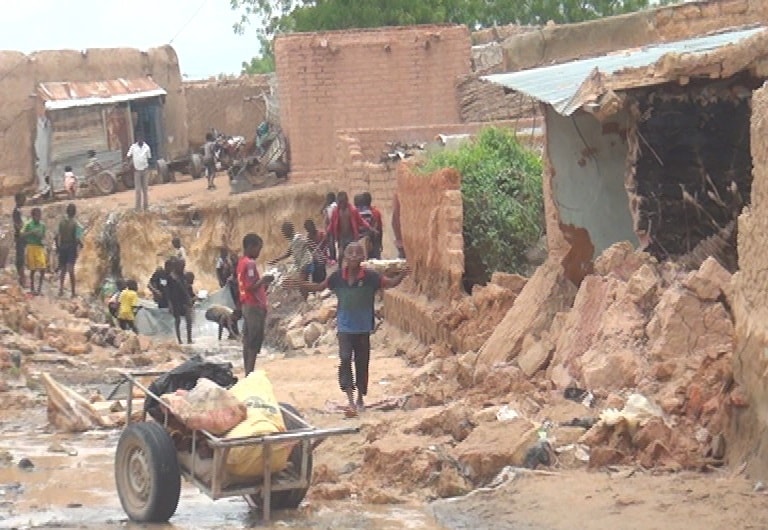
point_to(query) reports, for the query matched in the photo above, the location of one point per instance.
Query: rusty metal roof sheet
(65, 95)
(561, 85)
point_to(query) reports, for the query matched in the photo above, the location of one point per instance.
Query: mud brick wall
(571, 41)
(232, 106)
(20, 74)
(483, 101)
(750, 307)
(390, 77)
(432, 218)
(359, 153)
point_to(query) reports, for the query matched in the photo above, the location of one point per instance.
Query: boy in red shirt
(253, 299)
(346, 223)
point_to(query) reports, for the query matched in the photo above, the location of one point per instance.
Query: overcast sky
(205, 44)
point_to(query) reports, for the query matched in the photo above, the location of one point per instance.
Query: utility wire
(188, 21)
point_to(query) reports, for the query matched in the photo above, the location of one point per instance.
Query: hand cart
(149, 464)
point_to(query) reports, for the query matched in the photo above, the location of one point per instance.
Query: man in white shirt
(140, 154)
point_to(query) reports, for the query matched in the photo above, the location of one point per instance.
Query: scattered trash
(580, 451)
(637, 409)
(507, 474)
(69, 411)
(584, 423)
(759, 486)
(579, 395)
(539, 454)
(505, 413)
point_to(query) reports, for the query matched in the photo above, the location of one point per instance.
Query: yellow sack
(264, 417)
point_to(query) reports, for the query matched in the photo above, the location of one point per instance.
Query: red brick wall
(389, 77)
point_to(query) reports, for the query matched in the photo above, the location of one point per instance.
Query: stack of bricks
(431, 216)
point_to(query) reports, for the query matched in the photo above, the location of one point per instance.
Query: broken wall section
(691, 172)
(20, 74)
(561, 43)
(234, 107)
(389, 77)
(202, 230)
(750, 305)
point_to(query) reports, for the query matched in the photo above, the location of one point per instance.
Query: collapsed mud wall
(20, 75)
(749, 427)
(145, 238)
(431, 216)
(560, 43)
(231, 106)
(390, 77)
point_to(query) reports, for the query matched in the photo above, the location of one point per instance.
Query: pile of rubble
(632, 367)
(397, 151)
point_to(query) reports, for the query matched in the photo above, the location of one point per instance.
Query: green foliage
(276, 16)
(503, 198)
(262, 64)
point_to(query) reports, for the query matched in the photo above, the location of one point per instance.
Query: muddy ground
(386, 477)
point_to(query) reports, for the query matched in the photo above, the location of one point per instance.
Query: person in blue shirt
(355, 288)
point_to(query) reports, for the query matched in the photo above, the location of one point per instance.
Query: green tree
(261, 64)
(503, 201)
(278, 16)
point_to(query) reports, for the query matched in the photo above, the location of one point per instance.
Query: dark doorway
(693, 171)
(148, 114)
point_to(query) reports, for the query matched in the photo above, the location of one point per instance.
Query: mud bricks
(391, 77)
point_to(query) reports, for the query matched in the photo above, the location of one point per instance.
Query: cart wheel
(196, 165)
(290, 499)
(147, 473)
(166, 175)
(105, 183)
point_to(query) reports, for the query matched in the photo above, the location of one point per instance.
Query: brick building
(382, 78)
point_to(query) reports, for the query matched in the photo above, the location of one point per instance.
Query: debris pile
(635, 331)
(397, 151)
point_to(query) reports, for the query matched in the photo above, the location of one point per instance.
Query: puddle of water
(78, 491)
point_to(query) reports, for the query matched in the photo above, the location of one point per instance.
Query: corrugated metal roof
(558, 84)
(64, 95)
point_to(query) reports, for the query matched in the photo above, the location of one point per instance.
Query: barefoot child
(355, 288)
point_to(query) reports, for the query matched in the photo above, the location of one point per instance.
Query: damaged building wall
(232, 106)
(588, 162)
(560, 43)
(390, 77)
(749, 427)
(20, 74)
(482, 101)
(203, 229)
(431, 216)
(670, 174)
(692, 173)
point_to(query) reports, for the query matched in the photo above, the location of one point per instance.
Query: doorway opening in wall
(692, 168)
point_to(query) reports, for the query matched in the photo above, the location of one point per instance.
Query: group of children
(32, 250)
(171, 287)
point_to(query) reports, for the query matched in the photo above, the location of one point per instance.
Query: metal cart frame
(308, 436)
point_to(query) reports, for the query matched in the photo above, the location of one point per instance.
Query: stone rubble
(633, 326)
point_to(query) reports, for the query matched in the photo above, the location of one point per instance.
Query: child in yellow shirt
(129, 304)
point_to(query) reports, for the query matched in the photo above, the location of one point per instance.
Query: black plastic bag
(185, 377)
